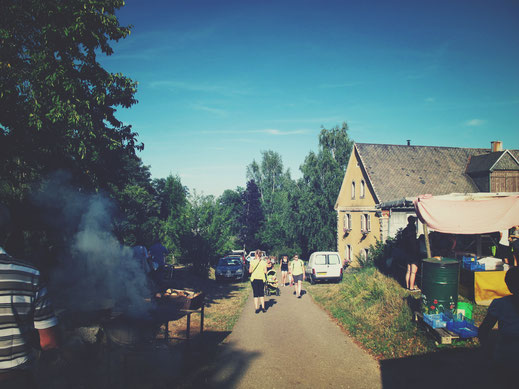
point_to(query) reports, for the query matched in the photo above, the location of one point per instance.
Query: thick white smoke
(97, 272)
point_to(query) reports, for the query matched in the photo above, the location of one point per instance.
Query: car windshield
(229, 262)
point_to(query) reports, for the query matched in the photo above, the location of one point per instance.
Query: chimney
(496, 145)
(409, 142)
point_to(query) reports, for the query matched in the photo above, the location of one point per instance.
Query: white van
(324, 265)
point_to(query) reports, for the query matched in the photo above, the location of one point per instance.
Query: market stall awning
(468, 216)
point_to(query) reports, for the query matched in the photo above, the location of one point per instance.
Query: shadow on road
(213, 364)
(453, 368)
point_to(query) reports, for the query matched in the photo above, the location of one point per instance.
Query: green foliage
(252, 216)
(322, 178)
(376, 311)
(59, 104)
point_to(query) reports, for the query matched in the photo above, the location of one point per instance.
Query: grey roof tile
(397, 171)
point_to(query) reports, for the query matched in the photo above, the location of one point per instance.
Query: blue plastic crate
(437, 320)
(464, 328)
(468, 332)
(476, 266)
(472, 264)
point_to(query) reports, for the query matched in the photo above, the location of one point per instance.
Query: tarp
(489, 285)
(468, 216)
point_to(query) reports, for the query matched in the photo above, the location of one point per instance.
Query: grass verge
(377, 312)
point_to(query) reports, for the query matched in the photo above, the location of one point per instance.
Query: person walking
(258, 273)
(297, 271)
(284, 270)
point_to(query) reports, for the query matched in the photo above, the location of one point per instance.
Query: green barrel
(440, 281)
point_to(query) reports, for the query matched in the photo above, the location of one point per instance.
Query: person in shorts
(258, 272)
(410, 245)
(284, 270)
(297, 271)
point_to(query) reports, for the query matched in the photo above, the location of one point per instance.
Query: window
(320, 259)
(333, 259)
(365, 223)
(347, 254)
(347, 222)
(362, 189)
(353, 189)
(365, 253)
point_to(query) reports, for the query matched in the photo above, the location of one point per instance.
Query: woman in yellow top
(258, 271)
(297, 270)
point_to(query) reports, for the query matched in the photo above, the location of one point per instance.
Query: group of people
(293, 271)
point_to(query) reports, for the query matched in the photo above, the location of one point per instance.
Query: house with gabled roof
(380, 181)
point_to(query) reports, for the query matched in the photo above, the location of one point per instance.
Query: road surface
(293, 344)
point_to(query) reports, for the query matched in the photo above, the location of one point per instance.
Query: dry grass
(223, 304)
(377, 312)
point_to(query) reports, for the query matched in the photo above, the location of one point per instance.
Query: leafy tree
(174, 211)
(141, 223)
(209, 236)
(322, 177)
(231, 203)
(252, 217)
(269, 177)
(58, 103)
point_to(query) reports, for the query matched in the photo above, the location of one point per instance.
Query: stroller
(271, 286)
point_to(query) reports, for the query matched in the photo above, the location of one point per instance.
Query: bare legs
(259, 302)
(284, 277)
(410, 276)
(297, 286)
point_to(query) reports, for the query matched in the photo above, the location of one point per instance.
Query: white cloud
(198, 87)
(475, 122)
(215, 111)
(268, 131)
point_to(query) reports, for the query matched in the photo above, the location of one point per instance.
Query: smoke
(95, 272)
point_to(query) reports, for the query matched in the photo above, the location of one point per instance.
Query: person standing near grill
(258, 274)
(24, 308)
(297, 270)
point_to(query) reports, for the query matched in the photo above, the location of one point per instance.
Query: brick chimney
(496, 145)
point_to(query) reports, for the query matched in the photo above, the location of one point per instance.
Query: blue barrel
(440, 281)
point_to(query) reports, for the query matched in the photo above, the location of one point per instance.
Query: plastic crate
(437, 320)
(476, 266)
(468, 332)
(468, 262)
(464, 328)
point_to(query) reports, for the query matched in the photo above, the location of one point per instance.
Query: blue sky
(220, 81)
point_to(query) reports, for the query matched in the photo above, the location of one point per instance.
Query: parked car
(230, 268)
(324, 266)
(239, 255)
(252, 254)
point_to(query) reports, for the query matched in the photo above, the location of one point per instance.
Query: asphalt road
(293, 344)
